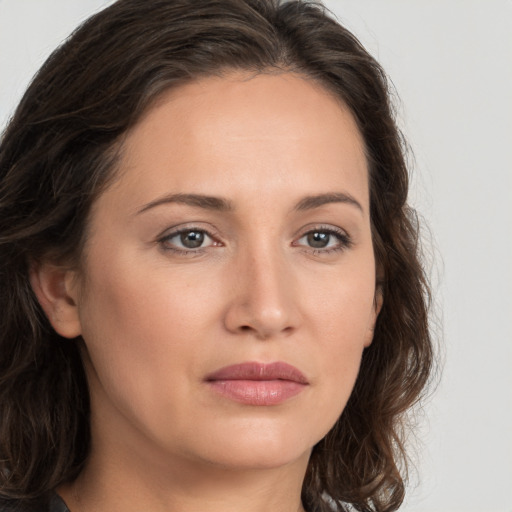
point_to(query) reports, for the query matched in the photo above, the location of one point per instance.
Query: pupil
(192, 239)
(318, 240)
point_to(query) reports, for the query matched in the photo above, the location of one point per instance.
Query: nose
(264, 301)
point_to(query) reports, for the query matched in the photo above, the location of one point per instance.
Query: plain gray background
(451, 64)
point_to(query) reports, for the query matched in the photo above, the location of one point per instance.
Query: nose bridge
(264, 301)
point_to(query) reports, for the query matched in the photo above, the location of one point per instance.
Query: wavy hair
(59, 152)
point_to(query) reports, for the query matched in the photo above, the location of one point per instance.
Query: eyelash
(186, 252)
(344, 241)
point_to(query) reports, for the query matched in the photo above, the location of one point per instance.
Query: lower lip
(257, 392)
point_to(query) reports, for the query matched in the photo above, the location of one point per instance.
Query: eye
(324, 240)
(319, 239)
(187, 240)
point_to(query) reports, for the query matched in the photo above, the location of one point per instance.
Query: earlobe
(55, 289)
(377, 306)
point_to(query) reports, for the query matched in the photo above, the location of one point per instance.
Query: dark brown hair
(59, 152)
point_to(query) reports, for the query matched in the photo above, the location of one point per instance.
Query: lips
(256, 383)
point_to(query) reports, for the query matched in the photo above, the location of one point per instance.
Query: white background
(451, 63)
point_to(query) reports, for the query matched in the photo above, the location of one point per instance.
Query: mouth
(254, 383)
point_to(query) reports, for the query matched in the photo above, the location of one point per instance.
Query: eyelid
(189, 226)
(177, 230)
(345, 240)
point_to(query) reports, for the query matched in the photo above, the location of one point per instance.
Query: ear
(377, 306)
(56, 290)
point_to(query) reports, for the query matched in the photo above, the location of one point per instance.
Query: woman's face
(229, 278)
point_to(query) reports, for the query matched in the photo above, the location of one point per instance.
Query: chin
(256, 447)
(255, 458)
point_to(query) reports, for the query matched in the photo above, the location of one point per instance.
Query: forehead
(245, 133)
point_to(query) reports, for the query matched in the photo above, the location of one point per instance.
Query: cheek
(342, 317)
(131, 302)
(136, 321)
(341, 305)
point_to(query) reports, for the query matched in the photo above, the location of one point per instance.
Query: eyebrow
(223, 205)
(197, 200)
(311, 202)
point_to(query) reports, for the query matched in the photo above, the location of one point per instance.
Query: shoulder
(52, 503)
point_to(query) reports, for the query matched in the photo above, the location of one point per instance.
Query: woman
(212, 297)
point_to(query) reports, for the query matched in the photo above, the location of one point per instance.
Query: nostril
(259, 319)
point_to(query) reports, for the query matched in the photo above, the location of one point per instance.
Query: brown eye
(187, 240)
(324, 240)
(192, 239)
(318, 239)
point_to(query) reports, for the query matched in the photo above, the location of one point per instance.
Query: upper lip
(259, 371)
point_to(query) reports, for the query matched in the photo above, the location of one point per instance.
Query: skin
(157, 318)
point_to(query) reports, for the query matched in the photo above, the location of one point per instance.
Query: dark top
(53, 503)
(57, 504)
